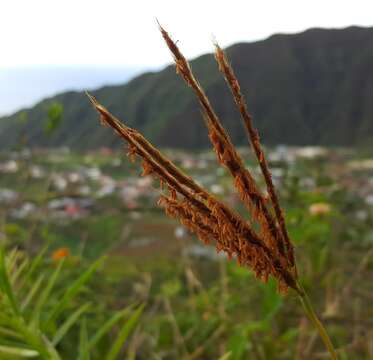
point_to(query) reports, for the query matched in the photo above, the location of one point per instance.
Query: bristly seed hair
(268, 252)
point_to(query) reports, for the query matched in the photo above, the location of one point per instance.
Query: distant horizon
(24, 86)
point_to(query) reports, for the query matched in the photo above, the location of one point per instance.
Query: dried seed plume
(266, 252)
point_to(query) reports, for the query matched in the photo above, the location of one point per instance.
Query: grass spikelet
(253, 135)
(201, 212)
(226, 153)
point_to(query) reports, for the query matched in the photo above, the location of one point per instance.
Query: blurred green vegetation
(197, 305)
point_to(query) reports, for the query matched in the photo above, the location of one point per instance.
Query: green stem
(37, 341)
(308, 308)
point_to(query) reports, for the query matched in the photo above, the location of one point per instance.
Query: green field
(198, 305)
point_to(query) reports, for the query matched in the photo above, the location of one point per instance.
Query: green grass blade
(124, 333)
(11, 259)
(105, 328)
(34, 339)
(52, 352)
(17, 272)
(9, 333)
(8, 320)
(45, 294)
(13, 351)
(35, 263)
(73, 290)
(12, 255)
(70, 321)
(32, 292)
(226, 356)
(5, 283)
(83, 346)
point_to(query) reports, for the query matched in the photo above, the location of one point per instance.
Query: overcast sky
(51, 46)
(105, 32)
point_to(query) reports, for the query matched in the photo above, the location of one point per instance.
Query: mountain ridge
(308, 88)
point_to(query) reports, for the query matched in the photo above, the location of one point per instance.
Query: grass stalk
(310, 312)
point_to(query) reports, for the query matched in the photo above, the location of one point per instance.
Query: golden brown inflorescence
(268, 252)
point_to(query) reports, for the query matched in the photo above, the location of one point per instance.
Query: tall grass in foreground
(36, 317)
(267, 251)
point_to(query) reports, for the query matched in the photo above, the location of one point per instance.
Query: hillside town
(62, 186)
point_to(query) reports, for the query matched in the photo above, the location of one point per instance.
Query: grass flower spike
(262, 243)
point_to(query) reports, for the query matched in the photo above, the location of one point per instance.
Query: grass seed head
(198, 210)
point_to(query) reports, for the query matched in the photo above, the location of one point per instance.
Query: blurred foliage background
(91, 268)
